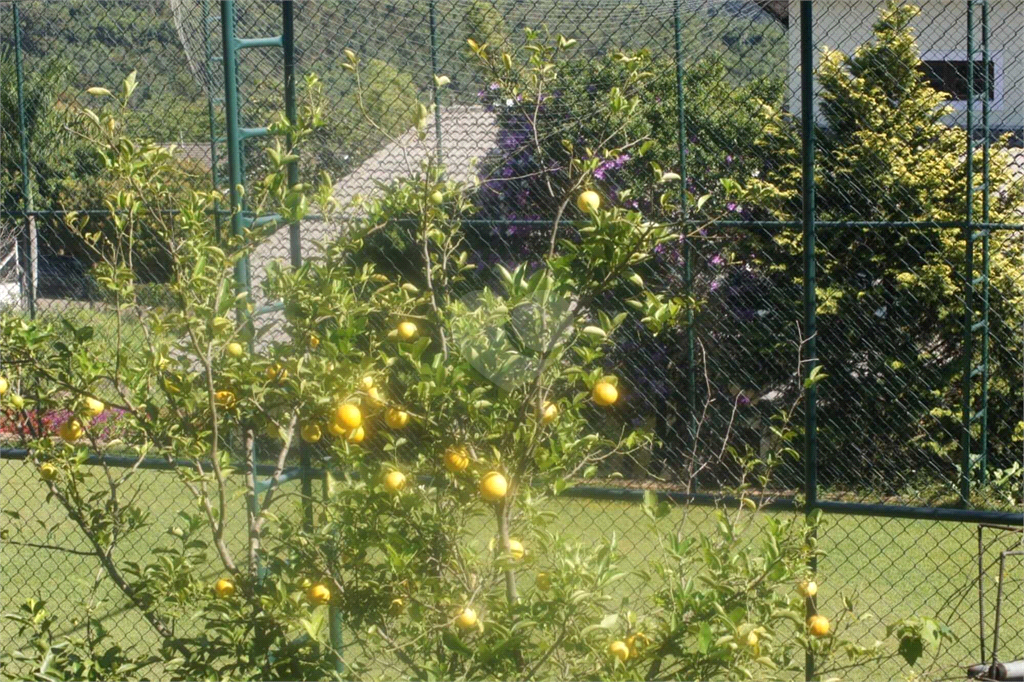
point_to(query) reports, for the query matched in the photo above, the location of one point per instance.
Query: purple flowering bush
(523, 174)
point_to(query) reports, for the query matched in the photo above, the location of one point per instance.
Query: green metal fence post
(433, 66)
(26, 185)
(985, 201)
(968, 350)
(333, 614)
(810, 349)
(294, 229)
(691, 372)
(211, 113)
(968, 458)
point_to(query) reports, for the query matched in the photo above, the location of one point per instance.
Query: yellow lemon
(394, 482)
(234, 349)
(17, 402)
(808, 588)
(619, 650)
(516, 549)
(467, 619)
(94, 407)
(493, 486)
(373, 397)
(224, 588)
(396, 419)
(225, 399)
(367, 382)
(314, 341)
(456, 459)
(752, 639)
(4, 385)
(71, 430)
(311, 432)
(437, 198)
(550, 413)
(588, 201)
(818, 625)
(276, 372)
(396, 607)
(543, 581)
(407, 330)
(336, 429)
(319, 594)
(632, 640)
(47, 471)
(356, 435)
(348, 415)
(605, 393)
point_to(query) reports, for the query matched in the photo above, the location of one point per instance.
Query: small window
(950, 76)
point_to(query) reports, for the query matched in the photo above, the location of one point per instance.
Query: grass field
(890, 567)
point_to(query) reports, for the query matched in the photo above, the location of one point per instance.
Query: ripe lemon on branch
(493, 486)
(224, 588)
(396, 419)
(93, 407)
(588, 202)
(348, 416)
(466, 619)
(394, 482)
(619, 650)
(319, 594)
(456, 459)
(818, 625)
(71, 430)
(407, 330)
(605, 393)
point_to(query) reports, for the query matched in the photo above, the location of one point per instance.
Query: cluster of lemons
(317, 594)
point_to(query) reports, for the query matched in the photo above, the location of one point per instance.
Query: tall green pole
(294, 229)
(691, 371)
(985, 200)
(333, 615)
(810, 349)
(968, 350)
(26, 185)
(211, 113)
(433, 66)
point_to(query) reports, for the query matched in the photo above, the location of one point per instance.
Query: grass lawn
(890, 567)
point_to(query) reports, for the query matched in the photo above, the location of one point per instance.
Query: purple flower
(742, 400)
(493, 86)
(717, 260)
(610, 164)
(728, 159)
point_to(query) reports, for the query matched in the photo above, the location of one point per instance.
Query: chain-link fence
(897, 270)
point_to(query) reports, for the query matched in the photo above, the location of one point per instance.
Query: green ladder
(974, 450)
(235, 135)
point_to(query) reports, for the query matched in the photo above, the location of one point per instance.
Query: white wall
(941, 30)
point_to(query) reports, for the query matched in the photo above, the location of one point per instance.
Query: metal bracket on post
(810, 347)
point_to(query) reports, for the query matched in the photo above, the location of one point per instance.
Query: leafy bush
(891, 306)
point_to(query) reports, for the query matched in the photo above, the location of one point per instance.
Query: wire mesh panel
(917, 226)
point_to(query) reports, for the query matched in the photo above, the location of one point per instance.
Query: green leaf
(452, 641)
(911, 648)
(704, 638)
